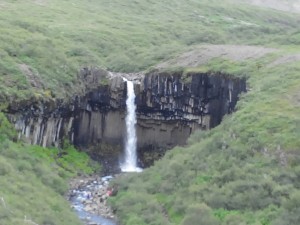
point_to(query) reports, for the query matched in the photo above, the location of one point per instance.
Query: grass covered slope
(44, 43)
(33, 181)
(245, 171)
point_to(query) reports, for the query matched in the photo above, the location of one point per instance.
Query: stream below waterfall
(88, 198)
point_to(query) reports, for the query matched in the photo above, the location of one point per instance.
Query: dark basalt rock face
(171, 97)
(170, 107)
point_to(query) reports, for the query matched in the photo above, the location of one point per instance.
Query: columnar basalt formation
(170, 106)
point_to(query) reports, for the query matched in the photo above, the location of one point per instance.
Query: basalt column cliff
(170, 106)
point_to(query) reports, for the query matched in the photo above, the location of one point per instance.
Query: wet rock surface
(88, 197)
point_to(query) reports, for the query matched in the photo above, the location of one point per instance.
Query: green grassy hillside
(33, 181)
(244, 172)
(44, 43)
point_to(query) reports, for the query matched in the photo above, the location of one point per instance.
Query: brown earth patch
(31, 76)
(296, 98)
(282, 5)
(41, 2)
(285, 59)
(2, 5)
(203, 54)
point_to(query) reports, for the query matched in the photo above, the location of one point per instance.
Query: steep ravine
(170, 106)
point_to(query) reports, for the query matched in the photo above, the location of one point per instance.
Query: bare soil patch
(282, 5)
(203, 54)
(2, 5)
(295, 98)
(41, 2)
(32, 78)
(285, 60)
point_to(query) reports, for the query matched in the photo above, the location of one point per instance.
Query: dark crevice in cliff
(170, 106)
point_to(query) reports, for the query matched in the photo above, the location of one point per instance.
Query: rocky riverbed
(88, 197)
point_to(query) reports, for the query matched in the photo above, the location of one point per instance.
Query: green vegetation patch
(44, 43)
(33, 181)
(245, 171)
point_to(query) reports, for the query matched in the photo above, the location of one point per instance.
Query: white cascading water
(130, 160)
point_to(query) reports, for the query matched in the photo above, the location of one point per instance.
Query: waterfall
(130, 160)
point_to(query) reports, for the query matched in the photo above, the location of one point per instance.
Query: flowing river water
(88, 199)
